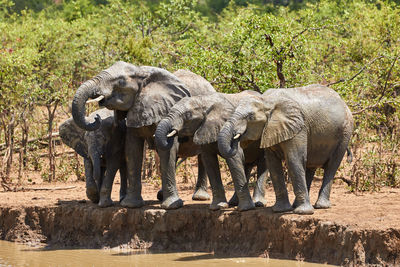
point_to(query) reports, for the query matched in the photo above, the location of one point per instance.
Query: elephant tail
(349, 155)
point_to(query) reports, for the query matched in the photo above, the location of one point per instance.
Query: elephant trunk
(96, 163)
(87, 90)
(227, 144)
(164, 135)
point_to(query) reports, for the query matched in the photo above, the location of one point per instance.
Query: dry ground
(377, 210)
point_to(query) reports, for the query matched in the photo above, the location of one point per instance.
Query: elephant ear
(160, 91)
(286, 120)
(74, 137)
(215, 117)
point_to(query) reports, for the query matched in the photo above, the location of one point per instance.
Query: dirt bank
(357, 230)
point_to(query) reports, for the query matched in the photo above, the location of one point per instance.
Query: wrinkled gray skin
(201, 118)
(145, 94)
(308, 127)
(103, 154)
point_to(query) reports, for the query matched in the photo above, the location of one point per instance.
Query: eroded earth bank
(357, 230)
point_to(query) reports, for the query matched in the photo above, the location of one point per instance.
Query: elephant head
(200, 117)
(274, 117)
(145, 93)
(73, 136)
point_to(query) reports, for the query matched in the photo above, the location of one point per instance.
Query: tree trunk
(51, 147)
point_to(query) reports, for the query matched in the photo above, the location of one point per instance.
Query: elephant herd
(181, 115)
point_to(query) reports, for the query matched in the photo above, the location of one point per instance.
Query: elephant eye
(121, 83)
(188, 115)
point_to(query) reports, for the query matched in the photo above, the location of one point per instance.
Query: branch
(32, 140)
(383, 91)
(358, 73)
(45, 188)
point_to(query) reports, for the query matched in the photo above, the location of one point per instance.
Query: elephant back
(159, 95)
(196, 84)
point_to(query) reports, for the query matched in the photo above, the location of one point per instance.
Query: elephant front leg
(106, 186)
(210, 160)
(200, 192)
(296, 159)
(134, 159)
(236, 167)
(170, 195)
(282, 203)
(91, 187)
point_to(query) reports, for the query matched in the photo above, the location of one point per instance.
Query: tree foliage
(47, 50)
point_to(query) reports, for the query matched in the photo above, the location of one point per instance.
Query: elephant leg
(134, 159)
(106, 186)
(234, 201)
(309, 178)
(259, 189)
(282, 203)
(210, 160)
(200, 192)
(123, 175)
(91, 187)
(171, 198)
(330, 169)
(236, 167)
(296, 161)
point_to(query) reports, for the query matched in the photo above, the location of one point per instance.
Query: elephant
(143, 94)
(103, 154)
(307, 127)
(201, 118)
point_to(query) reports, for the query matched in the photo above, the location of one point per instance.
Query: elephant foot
(260, 201)
(234, 201)
(304, 208)
(160, 195)
(201, 195)
(105, 198)
(132, 202)
(282, 206)
(322, 203)
(172, 202)
(246, 205)
(106, 202)
(92, 194)
(296, 203)
(217, 205)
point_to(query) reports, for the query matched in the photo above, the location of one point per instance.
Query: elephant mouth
(102, 102)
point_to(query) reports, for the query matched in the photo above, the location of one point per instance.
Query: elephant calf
(103, 153)
(308, 127)
(200, 118)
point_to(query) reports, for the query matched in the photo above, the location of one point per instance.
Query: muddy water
(12, 254)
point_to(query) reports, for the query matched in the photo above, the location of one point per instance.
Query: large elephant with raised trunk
(308, 127)
(144, 95)
(103, 154)
(201, 118)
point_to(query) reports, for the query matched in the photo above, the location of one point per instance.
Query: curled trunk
(227, 146)
(162, 141)
(85, 91)
(174, 121)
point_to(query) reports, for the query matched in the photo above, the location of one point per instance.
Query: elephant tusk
(172, 133)
(95, 100)
(236, 136)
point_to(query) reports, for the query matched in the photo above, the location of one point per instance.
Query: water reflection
(12, 254)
